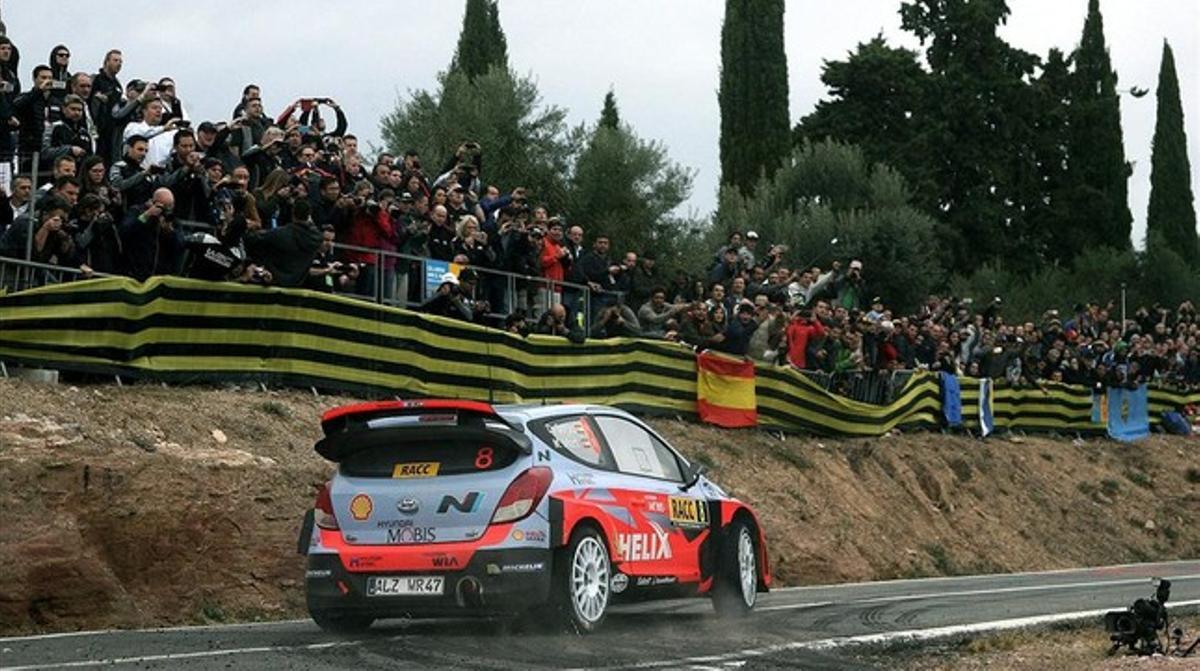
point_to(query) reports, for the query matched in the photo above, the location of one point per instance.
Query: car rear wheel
(340, 623)
(582, 574)
(735, 585)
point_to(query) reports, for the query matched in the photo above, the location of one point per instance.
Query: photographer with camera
(69, 136)
(262, 159)
(371, 227)
(465, 164)
(326, 273)
(52, 242)
(159, 133)
(152, 244)
(172, 105)
(97, 242)
(187, 179)
(33, 110)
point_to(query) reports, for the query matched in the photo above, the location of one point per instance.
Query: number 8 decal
(483, 458)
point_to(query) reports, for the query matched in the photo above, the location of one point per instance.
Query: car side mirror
(693, 475)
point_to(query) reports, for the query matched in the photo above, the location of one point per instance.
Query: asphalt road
(807, 627)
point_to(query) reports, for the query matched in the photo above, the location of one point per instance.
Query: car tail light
(523, 495)
(324, 517)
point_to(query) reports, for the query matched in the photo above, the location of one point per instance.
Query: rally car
(449, 507)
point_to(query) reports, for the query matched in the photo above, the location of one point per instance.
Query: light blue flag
(1128, 413)
(986, 424)
(951, 400)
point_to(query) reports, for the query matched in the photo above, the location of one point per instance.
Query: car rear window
(445, 456)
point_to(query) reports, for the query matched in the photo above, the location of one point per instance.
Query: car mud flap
(556, 522)
(306, 531)
(708, 546)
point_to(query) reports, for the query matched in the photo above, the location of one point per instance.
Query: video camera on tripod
(1137, 627)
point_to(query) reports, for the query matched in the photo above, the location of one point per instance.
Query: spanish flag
(725, 391)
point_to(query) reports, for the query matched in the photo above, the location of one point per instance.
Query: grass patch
(1110, 487)
(792, 457)
(941, 559)
(962, 470)
(1140, 479)
(705, 459)
(275, 408)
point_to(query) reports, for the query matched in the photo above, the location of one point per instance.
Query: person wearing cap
(739, 331)
(643, 277)
(850, 287)
(448, 301)
(69, 135)
(746, 252)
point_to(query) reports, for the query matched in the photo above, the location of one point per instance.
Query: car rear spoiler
(347, 428)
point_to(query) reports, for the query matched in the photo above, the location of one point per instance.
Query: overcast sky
(662, 57)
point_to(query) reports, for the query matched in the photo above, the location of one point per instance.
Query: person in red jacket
(370, 227)
(554, 264)
(802, 328)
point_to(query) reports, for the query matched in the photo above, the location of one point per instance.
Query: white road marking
(967, 578)
(153, 630)
(905, 636)
(173, 656)
(978, 592)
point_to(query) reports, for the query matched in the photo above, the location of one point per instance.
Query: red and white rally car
(448, 507)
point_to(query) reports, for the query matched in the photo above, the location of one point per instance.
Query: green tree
(481, 43)
(609, 117)
(1172, 212)
(878, 100)
(1052, 238)
(524, 142)
(830, 190)
(1099, 173)
(626, 188)
(753, 93)
(980, 125)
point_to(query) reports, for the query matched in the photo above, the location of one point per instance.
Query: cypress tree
(481, 44)
(1172, 212)
(609, 117)
(753, 93)
(1099, 172)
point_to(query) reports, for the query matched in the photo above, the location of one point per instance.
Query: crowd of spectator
(127, 183)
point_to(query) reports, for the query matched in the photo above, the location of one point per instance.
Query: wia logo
(469, 503)
(644, 547)
(445, 561)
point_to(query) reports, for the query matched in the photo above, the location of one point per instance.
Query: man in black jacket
(152, 244)
(135, 181)
(69, 136)
(34, 109)
(287, 252)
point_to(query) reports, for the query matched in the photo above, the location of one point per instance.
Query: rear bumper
(493, 582)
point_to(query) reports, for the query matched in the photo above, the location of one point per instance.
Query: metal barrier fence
(877, 387)
(19, 274)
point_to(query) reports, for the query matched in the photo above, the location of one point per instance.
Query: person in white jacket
(160, 135)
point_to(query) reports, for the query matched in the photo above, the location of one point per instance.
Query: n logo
(469, 503)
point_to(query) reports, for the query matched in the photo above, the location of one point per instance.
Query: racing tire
(337, 623)
(735, 584)
(581, 589)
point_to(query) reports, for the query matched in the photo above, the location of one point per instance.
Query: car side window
(637, 451)
(578, 437)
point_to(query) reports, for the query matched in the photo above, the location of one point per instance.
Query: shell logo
(361, 507)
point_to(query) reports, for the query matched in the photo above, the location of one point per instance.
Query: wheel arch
(734, 511)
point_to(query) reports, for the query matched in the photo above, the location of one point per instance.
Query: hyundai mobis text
(447, 507)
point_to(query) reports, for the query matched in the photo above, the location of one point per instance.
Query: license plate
(409, 585)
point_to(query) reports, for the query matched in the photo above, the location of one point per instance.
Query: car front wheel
(735, 586)
(582, 573)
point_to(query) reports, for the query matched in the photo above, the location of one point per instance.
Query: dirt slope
(145, 505)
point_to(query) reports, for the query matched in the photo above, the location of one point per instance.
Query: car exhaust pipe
(469, 592)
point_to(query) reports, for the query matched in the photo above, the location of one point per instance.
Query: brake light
(523, 495)
(324, 516)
